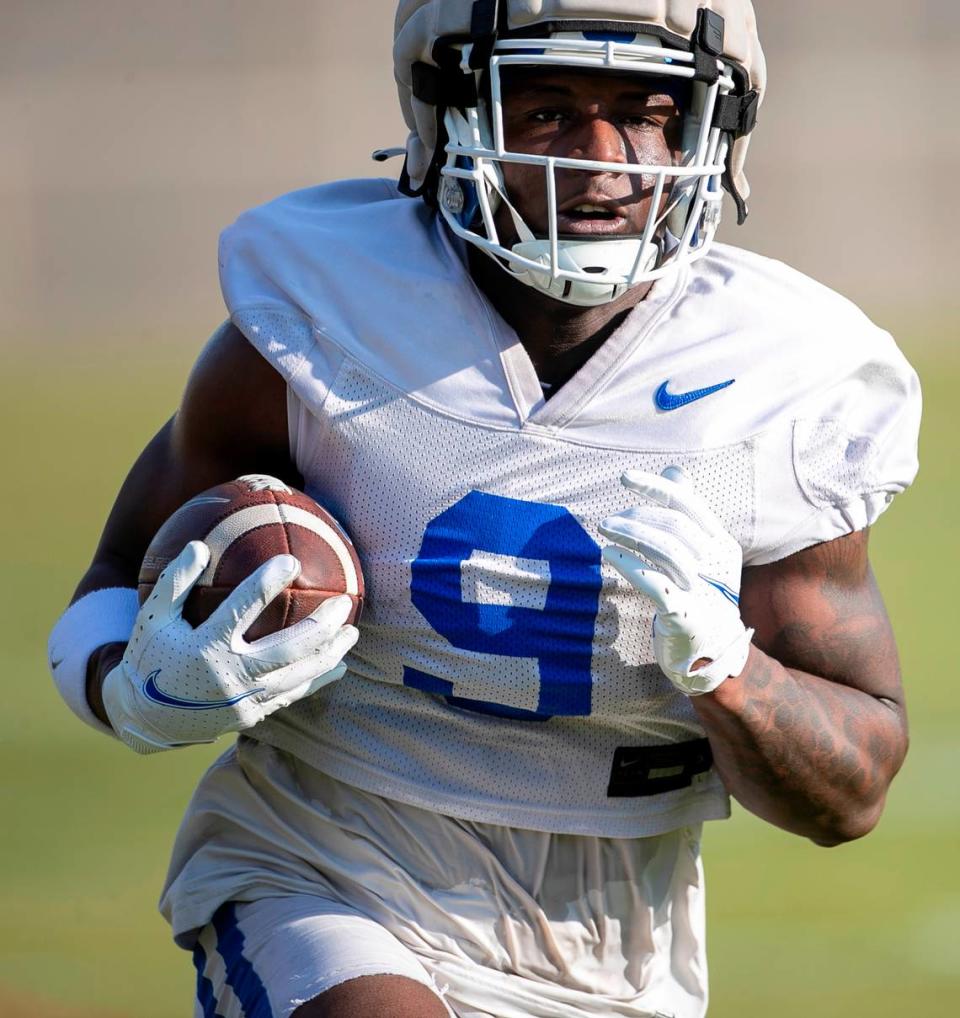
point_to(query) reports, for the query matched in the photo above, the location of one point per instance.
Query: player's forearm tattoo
(794, 740)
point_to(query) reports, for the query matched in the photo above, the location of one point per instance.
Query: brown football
(244, 523)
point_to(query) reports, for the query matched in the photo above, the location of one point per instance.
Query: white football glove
(676, 551)
(177, 685)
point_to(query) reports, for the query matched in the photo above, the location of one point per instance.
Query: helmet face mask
(454, 60)
(684, 210)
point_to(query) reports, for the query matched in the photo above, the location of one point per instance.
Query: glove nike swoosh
(730, 595)
(153, 692)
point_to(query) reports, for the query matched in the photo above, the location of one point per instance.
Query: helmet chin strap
(596, 257)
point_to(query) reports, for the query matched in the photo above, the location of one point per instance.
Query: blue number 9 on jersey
(554, 625)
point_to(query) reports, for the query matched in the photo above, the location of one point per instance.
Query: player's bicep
(232, 420)
(820, 611)
(233, 415)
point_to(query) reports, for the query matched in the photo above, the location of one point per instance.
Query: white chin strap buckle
(605, 268)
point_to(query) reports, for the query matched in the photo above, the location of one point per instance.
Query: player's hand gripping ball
(253, 614)
(675, 550)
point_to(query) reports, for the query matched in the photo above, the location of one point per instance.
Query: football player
(612, 486)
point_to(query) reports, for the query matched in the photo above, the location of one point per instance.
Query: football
(244, 523)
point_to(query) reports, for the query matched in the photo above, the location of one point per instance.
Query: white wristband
(103, 616)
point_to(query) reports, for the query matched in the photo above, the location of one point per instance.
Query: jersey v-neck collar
(519, 375)
(577, 393)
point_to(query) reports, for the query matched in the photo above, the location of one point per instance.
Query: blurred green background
(132, 133)
(866, 929)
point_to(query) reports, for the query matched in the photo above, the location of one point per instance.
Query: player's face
(601, 116)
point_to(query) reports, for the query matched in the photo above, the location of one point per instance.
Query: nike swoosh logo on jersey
(669, 401)
(54, 665)
(152, 692)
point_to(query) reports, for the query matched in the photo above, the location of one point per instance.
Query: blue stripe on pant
(241, 977)
(205, 994)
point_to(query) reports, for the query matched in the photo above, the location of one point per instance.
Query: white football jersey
(503, 673)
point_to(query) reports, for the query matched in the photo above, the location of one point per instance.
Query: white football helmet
(448, 59)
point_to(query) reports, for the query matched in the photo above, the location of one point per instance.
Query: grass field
(866, 929)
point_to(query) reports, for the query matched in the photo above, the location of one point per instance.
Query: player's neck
(559, 338)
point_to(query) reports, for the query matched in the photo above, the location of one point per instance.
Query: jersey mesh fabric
(834, 465)
(373, 730)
